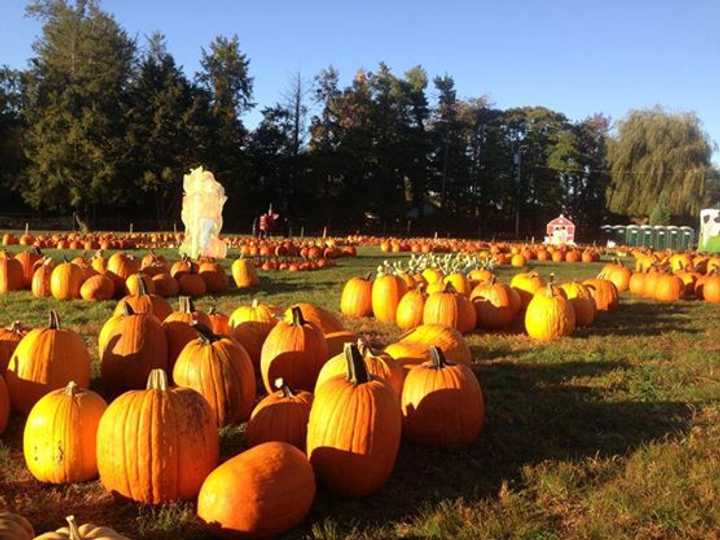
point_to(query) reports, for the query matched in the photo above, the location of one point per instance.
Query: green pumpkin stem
(254, 303)
(368, 276)
(158, 380)
(206, 334)
(437, 358)
(356, 370)
(298, 319)
(283, 387)
(73, 530)
(185, 304)
(53, 320)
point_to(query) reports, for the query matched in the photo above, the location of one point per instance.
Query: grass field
(612, 433)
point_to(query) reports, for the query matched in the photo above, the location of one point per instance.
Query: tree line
(105, 125)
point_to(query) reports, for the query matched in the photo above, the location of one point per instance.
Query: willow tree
(659, 155)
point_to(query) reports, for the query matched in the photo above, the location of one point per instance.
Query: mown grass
(611, 433)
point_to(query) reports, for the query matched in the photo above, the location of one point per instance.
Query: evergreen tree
(75, 114)
(11, 130)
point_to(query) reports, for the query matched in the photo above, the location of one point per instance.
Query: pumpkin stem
(356, 370)
(74, 532)
(281, 385)
(298, 319)
(254, 303)
(71, 389)
(206, 334)
(16, 327)
(368, 276)
(53, 320)
(36, 251)
(158, 380)
(437, 358)
(185, 304)
(449, 288)
(142, 290)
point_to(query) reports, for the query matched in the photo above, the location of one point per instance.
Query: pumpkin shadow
(641, 319)
(535, 413)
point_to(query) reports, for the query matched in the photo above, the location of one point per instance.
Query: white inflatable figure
(710, 230)
(203, 202)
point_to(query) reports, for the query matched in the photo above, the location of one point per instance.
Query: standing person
(267, 222)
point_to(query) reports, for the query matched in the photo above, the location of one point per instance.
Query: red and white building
(560, 231)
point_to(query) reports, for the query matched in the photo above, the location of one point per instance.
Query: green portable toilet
(619, 234)
(632, 233)
(688, 238)
(661, 240)
(647, 236)
(674, 237)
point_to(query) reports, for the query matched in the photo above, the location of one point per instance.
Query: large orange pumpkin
(221, 371)
(40, 285)
(410, 309)
(144, 302)
(324, 319)
(442, 403)
(582, 302)
(46, 359)
(157, 445)
(28, 259)
(450, 308)
(11, 274)
(260, 493)
(604, 293)
(526, 285)
(97, 288)
(549, 314)
(354, 430)
(66, 280)
(295, 352)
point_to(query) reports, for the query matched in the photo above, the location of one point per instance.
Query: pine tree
(76, 112)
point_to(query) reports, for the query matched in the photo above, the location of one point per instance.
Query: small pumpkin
(219, 322)
(280, 416)
(133, 284)
(66, 280)
(11, 274)
(214, 276)
(28, 259)
(46, 359)
(354, 430)
(294, 351)
(221, 371)
(260, 493)
(9, 339)
(582, 302)
(356, 298)
(59, 438)
(605, 293)
(244, 274)
(97, 288)
(527, 284)
(549, 315)
(87, 531)
(165, 284)
(442, 403)
(40, 285)
(157, 445)
(413, 347)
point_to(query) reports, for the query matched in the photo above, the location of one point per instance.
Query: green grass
(611, 433)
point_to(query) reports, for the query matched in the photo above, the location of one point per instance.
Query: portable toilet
(632, 233)
(647, 236)
(674, 237)
(688, 238)
(661, 240)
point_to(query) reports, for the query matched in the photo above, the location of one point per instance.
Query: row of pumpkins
(156, 443)
(479, 300)
(102, 278)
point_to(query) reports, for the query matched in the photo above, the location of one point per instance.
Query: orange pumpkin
(324, 319)
(9, 339)
(130, 346)
(604, 293)
(280, 416)
(496, 304)
(221, 371)
(356, 298)
(11, 274)
(449, 308)
(387, 290)
(157, 445)
(260, 493)
(410, 309)
(97, 288)
(145, 302)
(40, 285)
(295, 352)
(354, 430)
(46, 359)
(442, 403)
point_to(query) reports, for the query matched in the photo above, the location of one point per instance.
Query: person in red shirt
(267, 222)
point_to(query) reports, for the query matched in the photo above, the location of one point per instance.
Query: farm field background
(611, 433)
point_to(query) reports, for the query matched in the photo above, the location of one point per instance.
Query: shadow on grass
(641, 319)
(535, 413)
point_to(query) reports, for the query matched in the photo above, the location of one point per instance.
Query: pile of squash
(102, 278)
(335, 409)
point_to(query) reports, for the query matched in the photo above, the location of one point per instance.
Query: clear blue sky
(575, 57)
